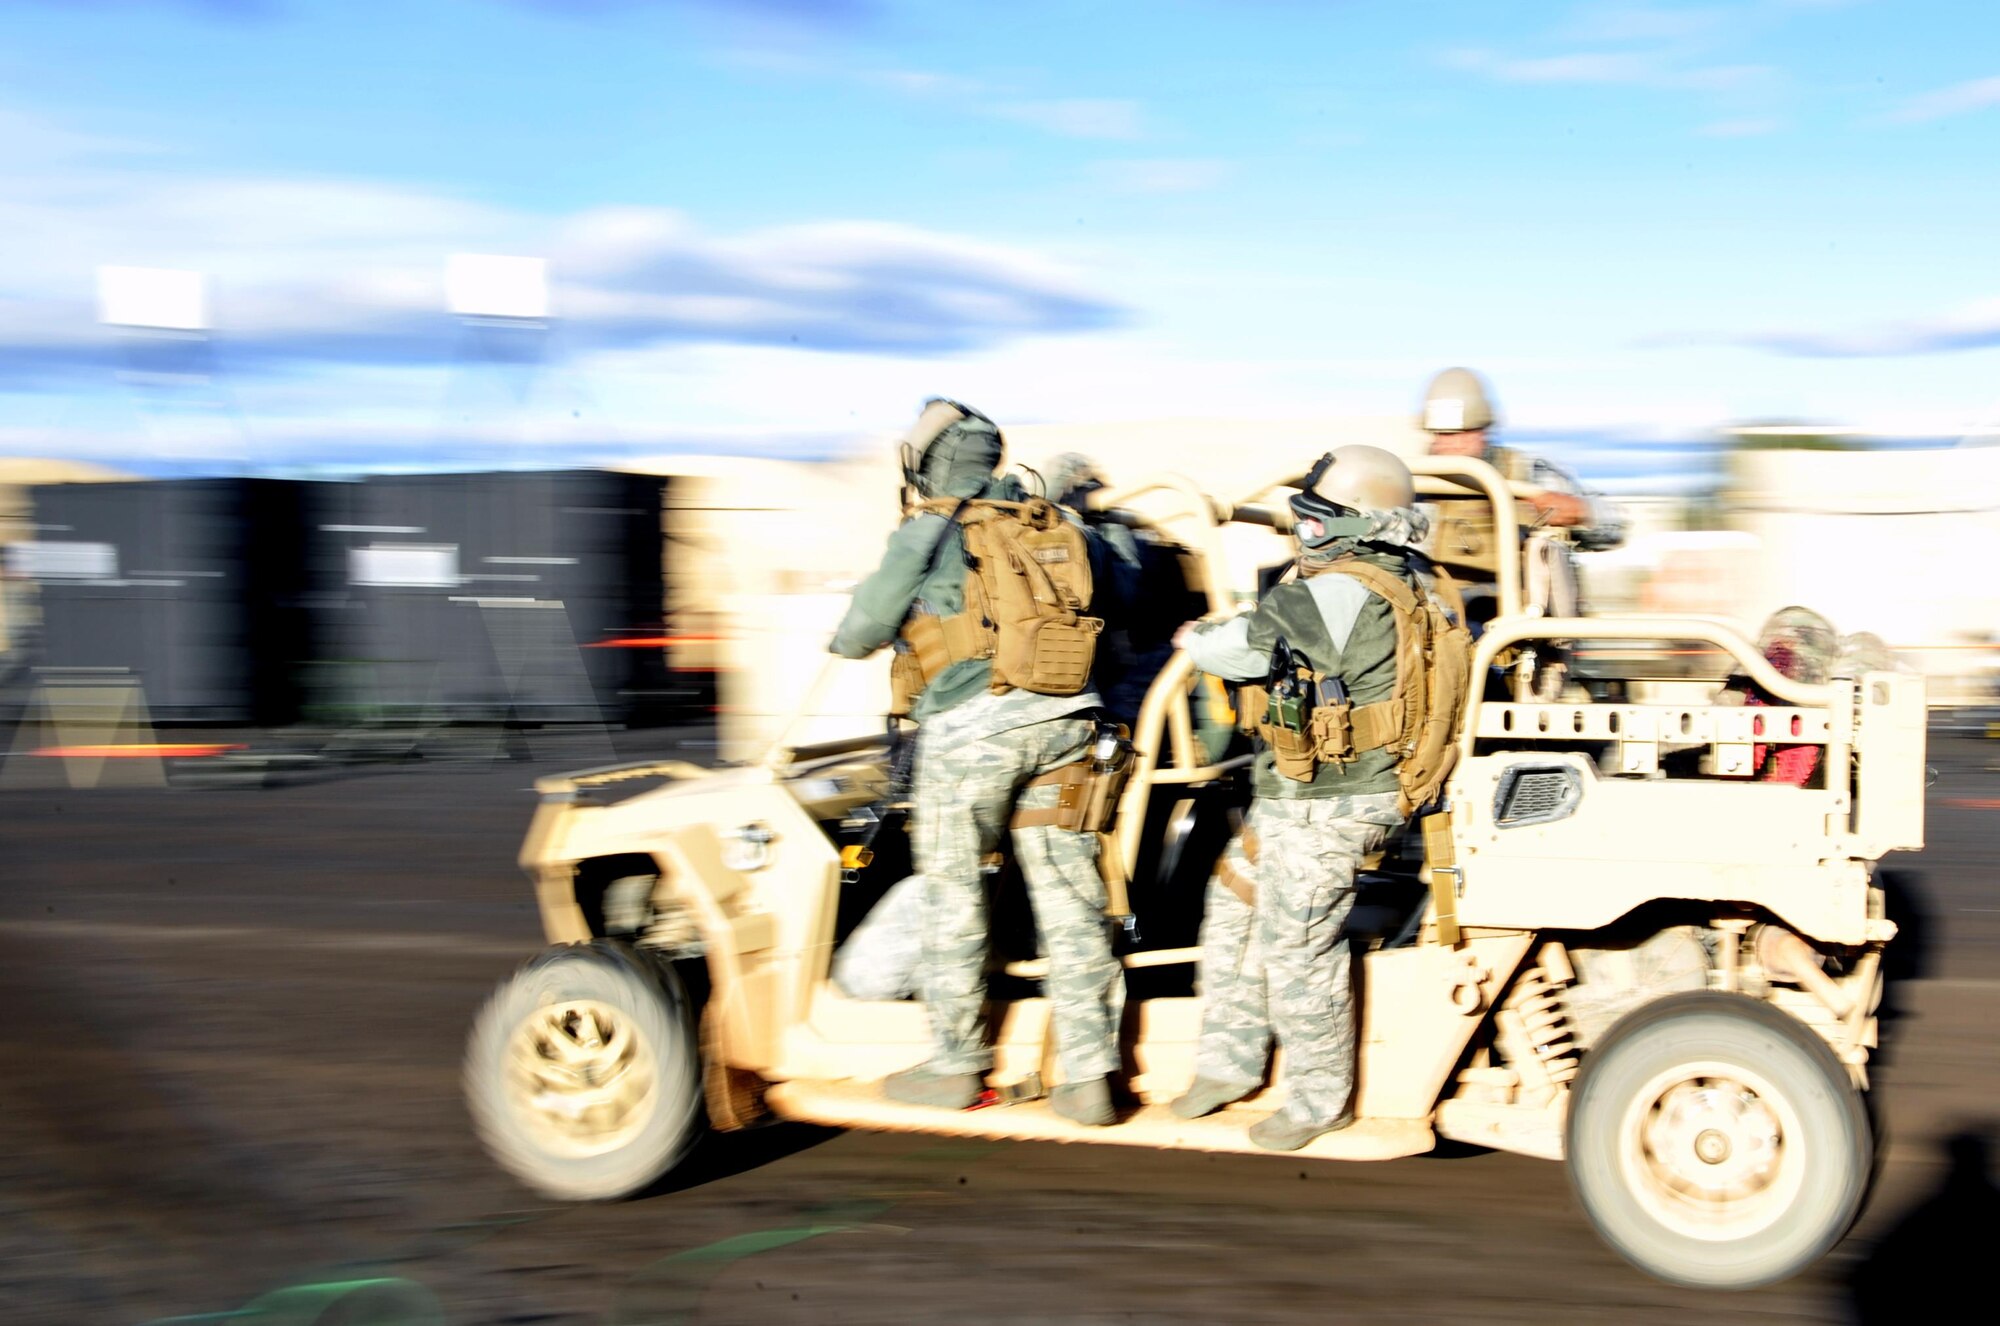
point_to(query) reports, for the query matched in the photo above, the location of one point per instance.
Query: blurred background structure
(678, 243)
(681, 589)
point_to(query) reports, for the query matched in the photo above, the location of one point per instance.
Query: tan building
(762, 554)
(17, 476)
(1890, 541)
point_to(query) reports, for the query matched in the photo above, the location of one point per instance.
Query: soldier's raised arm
(1594, 520)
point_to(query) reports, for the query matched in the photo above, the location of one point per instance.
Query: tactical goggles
(1318, 522)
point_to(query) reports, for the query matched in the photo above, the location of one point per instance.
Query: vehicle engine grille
(1536, 794)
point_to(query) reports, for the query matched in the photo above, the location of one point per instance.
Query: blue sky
(776, 225)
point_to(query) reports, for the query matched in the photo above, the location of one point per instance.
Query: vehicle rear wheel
(1716, 1141)
(583, 1074)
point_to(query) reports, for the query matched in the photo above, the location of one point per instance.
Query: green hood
(960, 463)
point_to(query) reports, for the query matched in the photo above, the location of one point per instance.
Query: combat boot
(1206, 1095)
(1085, 1102)
(923, 1086)
(1281, 1132)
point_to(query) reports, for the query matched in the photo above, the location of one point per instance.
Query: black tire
(546, 1119)
(1711, 1185)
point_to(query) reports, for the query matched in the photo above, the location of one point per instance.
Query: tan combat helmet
(1348, 493)
(1073, 476)
(1457, 402)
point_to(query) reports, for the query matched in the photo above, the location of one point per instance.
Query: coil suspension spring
(1538, 998)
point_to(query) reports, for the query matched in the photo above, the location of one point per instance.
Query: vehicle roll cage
(1165, 751)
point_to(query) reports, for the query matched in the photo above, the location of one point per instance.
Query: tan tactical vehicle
(1625, 951)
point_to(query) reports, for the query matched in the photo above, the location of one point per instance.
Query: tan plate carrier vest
(1419, 720)
(1027, 598)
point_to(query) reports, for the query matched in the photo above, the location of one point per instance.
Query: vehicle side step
(852, 1104)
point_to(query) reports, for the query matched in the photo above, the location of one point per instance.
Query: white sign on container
(404, 566)
(63, 559)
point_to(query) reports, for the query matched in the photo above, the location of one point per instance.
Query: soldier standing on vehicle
(1458, 415)
(1125, 662)
(1151, 593)
(1328, 792)
(997, 727)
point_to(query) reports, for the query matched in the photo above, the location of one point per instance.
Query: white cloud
(1079, 117)
(1753, 127)
(1647, 69)
(239, 10)
(1959, 99)
(1675, 51)
(306, 269)
(1637, 22)
(912, 82)
(29, 142)
(1614, 415)
(960, 92)
(1575, 67)
(1975, 326)
(1162, 175)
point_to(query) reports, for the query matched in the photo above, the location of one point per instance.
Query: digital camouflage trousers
(1278, 965)
(962, 798)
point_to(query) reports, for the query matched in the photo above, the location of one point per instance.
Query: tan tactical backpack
(1419, 720)
(1433, 675)
(1027, 595)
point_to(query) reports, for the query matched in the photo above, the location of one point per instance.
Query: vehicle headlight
(747, 847)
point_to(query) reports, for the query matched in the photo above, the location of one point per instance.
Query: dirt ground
(233, 1021)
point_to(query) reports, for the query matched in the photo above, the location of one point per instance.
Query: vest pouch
(1332, 731)
(1048, 655)
(906, 682)
(1291, 752)
(925, 634)
(1252, 701)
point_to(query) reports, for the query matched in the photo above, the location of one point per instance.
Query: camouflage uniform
(975, 748)
(1281, 966)
(1145, 578)
(1278, 965)
(1604, 526)
(962, 792)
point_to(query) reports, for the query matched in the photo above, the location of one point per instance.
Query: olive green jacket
(1336, 625)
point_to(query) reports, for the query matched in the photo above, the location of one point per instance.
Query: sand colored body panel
(858, 1105)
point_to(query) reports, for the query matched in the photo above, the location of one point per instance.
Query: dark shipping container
(201, 588)
(510, 596)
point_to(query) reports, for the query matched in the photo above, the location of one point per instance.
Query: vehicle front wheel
(583, 1072)
(1716, 1141)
